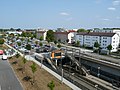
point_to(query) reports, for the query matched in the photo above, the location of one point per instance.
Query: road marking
(0, 87)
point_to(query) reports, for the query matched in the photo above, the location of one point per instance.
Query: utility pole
(61, 70)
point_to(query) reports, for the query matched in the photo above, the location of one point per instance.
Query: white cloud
(112, 8)
(106, 19)
(64, 14)
(116, 2)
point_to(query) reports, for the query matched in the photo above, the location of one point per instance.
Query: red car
(1, 52)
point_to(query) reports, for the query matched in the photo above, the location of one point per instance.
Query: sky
(53, 14)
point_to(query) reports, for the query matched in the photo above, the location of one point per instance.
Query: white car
(4, 57)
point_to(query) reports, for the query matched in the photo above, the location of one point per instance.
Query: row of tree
(33, 67)
(97, 46)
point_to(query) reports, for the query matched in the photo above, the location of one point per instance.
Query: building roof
(71, 31)
(62, 32)
(41, 31)
(96, 34)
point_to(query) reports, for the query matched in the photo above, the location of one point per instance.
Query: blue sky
(59, 13)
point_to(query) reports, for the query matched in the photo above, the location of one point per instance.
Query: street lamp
(98, 72)
(61, 70)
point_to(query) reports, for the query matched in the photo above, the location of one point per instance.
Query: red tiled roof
(96, 34)
(71, 31)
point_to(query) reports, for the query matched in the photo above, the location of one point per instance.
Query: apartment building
(41, 33)
(63, 36)
(104, 39)
(109, 30)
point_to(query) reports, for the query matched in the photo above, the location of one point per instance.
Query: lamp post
(98, 72)
(61, 70)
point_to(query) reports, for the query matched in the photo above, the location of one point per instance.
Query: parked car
(4, 57)
(1, 52)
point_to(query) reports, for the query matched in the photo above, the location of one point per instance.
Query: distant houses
(104, 37)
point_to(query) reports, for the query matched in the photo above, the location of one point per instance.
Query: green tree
(12, 29)
(24, 62)
(96, 45)
(19, 43)
(50, 36)
(23, 34)
(36, 42)
(28, 34)
(17, 55)
(55, 42)
(34, 69)
(109, 47)
(59, 46)
(41, 38)
(51, 85)
(81, 30)
(28, 40)
(40, 44)
(34, 35)
(59, 40)
(11, 35)
(1, 41)
(77, 43)
(22, 39)
(28, 47)
(18, 29)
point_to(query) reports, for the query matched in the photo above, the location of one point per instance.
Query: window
(104, 37)
(113, 41)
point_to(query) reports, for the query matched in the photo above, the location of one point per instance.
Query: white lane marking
(0, 87)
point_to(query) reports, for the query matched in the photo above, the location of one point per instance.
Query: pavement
(8, 79)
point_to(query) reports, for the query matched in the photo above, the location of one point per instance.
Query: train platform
(101, 82)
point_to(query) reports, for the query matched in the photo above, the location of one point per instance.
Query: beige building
(41, 33)
(63, 36)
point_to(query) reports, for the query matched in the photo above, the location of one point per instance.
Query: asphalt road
(8, 80)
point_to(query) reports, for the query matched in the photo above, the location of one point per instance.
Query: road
(8, 80)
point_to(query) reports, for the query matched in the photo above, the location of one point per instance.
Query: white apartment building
(104, 39)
